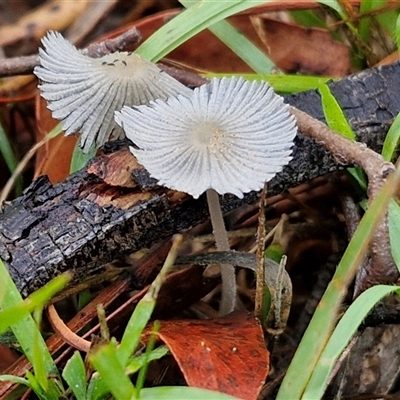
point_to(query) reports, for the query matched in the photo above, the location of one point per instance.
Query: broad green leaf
(74, 374)
(341, 336)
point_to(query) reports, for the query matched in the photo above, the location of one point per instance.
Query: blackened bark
(54, 228)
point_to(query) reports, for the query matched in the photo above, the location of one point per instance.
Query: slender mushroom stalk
(227, 136)
(228, 276)
(84, 92)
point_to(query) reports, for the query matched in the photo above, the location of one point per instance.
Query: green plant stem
(326, 314)
(228, 295)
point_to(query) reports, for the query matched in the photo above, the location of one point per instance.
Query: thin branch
(381, 268)
(25, 64)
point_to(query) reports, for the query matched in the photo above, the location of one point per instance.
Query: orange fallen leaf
(54, 158)
(226, 354)
(294, 48)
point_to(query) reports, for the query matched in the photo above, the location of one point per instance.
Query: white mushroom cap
(84, 92)
(230, 135)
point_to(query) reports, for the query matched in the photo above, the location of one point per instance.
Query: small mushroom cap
(83, 92)
(230, 135)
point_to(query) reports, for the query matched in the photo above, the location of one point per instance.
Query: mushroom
(227, 136)
(83, 92)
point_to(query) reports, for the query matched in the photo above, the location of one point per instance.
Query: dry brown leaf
(304, 50)
(54, 158)
(53, 15)
(225, 354)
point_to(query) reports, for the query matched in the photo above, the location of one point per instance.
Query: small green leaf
(137, 362)
(80, 159)
(334, 115)
(74, 374)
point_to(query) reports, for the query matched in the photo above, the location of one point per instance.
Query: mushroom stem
(228, 295)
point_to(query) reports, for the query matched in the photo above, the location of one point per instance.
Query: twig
(381, 268)
(25, 64)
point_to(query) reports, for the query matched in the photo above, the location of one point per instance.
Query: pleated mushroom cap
(83, 92)
(230, 135)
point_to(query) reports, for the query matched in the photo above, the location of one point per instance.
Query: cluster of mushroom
(227, 136)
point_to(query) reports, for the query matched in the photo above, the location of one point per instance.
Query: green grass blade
(9, 158)
(282, 83)
(27, 332)
(335, 5)
(182, 393)
(394, 231)
(364, 25)
(325, 316)
(97, 389)
(240, 45)
(105, 360)
(341, 337)
(74, 374)
(142, 313)
(14, 379)
(307, 18)
(138, 321)
(149, 349)
(38, 299)
(392, 139)
(198, 17)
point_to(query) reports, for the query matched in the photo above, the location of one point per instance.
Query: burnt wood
(71, 225)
